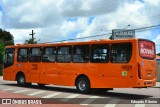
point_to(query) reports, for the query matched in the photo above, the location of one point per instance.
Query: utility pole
(32, 36)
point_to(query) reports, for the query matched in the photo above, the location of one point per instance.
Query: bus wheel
(21, 80)
(28, 84)
(41, 85)
(83, 85)
(101, 90)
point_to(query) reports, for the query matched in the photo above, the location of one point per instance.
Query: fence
(158, 71)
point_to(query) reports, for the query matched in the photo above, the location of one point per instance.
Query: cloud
(26, 14)
(135, 14)
(30, 14)
(57, 20)
(157, 42)
(85, 8)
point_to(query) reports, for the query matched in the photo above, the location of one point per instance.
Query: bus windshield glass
(147, 49)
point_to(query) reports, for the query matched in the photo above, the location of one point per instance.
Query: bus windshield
(147, 49)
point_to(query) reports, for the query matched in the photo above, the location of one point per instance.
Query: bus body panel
(101, 75)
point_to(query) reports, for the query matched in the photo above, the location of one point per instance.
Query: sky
(54, 20)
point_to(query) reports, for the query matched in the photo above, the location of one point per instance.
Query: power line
(108, 33)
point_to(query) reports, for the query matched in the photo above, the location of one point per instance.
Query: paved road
(114, 98)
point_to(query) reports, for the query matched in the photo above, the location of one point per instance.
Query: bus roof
(73, 43)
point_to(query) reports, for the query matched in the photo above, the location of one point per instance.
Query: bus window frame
(27, 54)
(79, 54)
(6, 64)
(70, 46)
(43, 50)
(107, 54)
(121, 44)
(35, 55)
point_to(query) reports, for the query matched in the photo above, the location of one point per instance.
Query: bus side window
(64, 54)
(99, 53)
(48, 54)
(121, 53)
(81, 53)
(9, 57)
(35, 55)
(22, 55)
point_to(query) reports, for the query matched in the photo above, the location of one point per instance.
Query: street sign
(123, 34)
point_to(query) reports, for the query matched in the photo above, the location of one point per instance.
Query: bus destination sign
(122, 34)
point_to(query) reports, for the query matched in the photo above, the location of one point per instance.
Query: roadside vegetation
(6, 38)
(1, 70)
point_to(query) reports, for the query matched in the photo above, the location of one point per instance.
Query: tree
(158, 54)
(111, 37)
(30, 41)
(2, 47)
(6, 38)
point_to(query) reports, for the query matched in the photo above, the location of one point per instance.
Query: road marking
(89, 100)
(139, 105)
(69, 97)
(20, 91)
(7, 89)
(51, 95)
(35, 93)
(112, 103)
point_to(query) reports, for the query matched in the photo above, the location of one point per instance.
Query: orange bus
(96, 64)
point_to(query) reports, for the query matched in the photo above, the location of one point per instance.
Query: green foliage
(110, 37)
(5, 39)
(2, 47)
(30, 41)
(158, 54)
(1, 67)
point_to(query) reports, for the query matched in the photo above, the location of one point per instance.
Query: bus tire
(41, 85)
(101, 90)
(83, 85)
(21, 80)
(28, 84)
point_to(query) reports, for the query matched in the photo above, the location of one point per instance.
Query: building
(158, 58)
(158, 68)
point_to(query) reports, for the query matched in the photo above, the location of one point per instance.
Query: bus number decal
(127, 67)
(34, 67)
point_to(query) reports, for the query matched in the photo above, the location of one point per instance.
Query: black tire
(21, 80)
(41, 85)
(28, 84)
(83, 85)
(101, 90)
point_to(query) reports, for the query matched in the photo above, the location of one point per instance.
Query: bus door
(35, 64)
(9, 65)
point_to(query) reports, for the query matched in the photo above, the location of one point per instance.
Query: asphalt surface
(65, 96)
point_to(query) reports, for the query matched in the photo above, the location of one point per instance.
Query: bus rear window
(147, 49)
